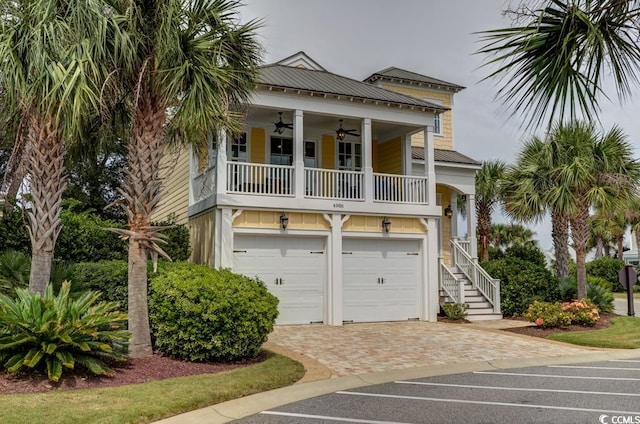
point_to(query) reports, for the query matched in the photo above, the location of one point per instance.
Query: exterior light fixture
(448, 212)
(386, 224)
(284, 221)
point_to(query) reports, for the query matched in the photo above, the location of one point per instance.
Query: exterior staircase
(479, 307)
(467, 282)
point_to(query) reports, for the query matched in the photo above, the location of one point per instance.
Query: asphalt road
(599, 392)
(620, 306)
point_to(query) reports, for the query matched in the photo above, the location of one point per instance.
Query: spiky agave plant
(54, 333)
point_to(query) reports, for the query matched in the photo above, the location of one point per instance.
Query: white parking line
(557, 376)
(478, 402)
(624, 360)
(593, 368)
(518, 389)
(324, 417)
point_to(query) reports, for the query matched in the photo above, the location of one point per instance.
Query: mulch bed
(135, 370)
(535, 331)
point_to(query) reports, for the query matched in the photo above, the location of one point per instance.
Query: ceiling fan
(341, 133)
(281, 126)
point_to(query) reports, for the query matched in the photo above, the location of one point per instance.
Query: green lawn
(142, 403)
(624, 333)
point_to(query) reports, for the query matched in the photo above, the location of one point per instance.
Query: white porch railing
(256, 178)
(480, 279)
(394, 188)
(452, 287)
(333, 184)
(465, 245)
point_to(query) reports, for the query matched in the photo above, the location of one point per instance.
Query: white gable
(301, 60)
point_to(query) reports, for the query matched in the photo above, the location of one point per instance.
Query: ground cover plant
(57, 333)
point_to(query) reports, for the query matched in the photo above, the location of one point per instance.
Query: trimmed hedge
(201, 314)
(108, 277)
(521, 284)
(606, 268)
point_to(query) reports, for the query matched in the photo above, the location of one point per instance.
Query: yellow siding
(375, 155)
(328, 152)
(389, 157)
(365, 223)
(201, 238)
(440, 142)
(271, 219)
(175, 187)
(258, 145)
(446, 223)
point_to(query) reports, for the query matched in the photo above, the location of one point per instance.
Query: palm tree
(506, 235)
(594, 170)
(488, 180)
(632, 212)
(189, 65)
(552, 66)
(51, 53)
(526, 188)
(600, 233)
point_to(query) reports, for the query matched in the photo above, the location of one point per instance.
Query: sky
(356, 38)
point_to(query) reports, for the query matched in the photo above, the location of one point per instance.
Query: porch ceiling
(328, 123)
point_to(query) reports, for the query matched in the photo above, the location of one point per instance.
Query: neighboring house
(338, 196)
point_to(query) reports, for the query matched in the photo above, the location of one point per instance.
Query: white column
(471, 225)
(193, 171)
(217, 239)
(367, 160)
(454, 217)
(226, 238)
(431, 295)
(429, 164)
(298, 151)
(221, 163)
(336, 304)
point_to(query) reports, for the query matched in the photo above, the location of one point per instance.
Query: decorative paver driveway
(363, 348)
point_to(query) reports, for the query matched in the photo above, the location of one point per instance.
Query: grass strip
(624, 333)
(147, 402)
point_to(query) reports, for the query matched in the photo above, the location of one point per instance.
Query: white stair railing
(451, 286)
(479, 278)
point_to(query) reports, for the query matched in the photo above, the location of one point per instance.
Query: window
(349, 156)
(437, 118)
(310, 154)
(281, 151)
(437, 127)
(238, 146)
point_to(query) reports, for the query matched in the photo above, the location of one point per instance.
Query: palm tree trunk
(620, 242)
(46, 183)
(483, 215)
(599, 248)
(141, 196)
(560, 237)
(15, 170)
(580, 235)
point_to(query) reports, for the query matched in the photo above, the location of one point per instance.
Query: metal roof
(440, 155)
(394, 74)
(322, 82)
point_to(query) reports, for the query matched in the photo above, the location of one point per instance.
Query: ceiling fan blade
(352, 132)
(288, 126)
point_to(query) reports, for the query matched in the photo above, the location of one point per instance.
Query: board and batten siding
(270, 219)
(373, 224)
(201, 238)
(175, 187)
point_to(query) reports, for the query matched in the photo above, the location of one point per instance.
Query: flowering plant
(556, 314)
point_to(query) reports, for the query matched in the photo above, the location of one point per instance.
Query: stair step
(484, 317)
(480, 311)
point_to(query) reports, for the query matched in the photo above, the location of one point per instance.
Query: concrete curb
(243, 407)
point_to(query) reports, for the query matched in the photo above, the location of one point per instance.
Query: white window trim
(440, 117)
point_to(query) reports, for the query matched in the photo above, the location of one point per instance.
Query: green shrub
(55, 333)
(84, 238)
(201, 314)
(556, 314)
(13, 228)
(598, 291)
(527, 252)
(108, 277)
(606, 268)
(455, 311)
(522, 283)
(547, 314)
(176, 240)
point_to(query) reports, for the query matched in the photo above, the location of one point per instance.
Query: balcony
(328, 184)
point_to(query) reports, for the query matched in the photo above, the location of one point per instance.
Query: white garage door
(292, 269)
(380, 279)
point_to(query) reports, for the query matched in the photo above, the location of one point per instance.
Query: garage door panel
(369, 298)
(292, 268)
